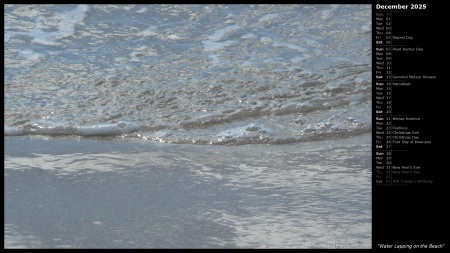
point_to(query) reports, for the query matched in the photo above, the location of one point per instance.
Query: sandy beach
(133, 194)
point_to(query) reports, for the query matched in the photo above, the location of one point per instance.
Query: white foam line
(142, 10)
(94, 130)
(30, 54)
(248, 36)
(268, 17)
(289, 45)
(69, 19)
(66, 27)
(150, 31)
(211, 43)
(218, 35)
(327, 13)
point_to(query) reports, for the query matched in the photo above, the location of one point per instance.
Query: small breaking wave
(250, 133)
(115, 129)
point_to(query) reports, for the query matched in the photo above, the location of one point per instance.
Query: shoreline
(128, 194)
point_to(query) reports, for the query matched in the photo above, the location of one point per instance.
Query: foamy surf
(187, 126)
(159, 73)
(47, 129)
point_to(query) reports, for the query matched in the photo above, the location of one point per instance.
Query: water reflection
(94, 194)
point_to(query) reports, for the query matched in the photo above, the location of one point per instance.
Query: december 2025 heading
(400, 6)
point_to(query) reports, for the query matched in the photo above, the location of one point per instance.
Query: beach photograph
(187, 126)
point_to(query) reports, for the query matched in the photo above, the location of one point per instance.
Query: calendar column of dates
(403, 78)
(409, 138)
(383, 98)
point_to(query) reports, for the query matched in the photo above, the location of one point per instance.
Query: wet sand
(133, 194)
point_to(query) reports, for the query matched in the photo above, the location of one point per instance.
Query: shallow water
(109, 194)
(187, 126)
(188, 73)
